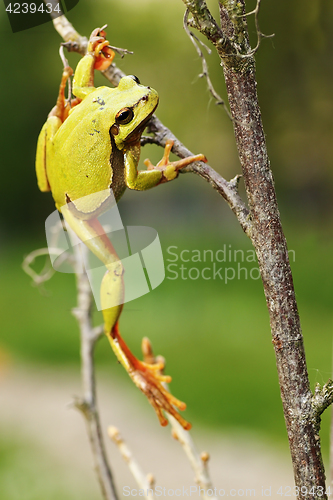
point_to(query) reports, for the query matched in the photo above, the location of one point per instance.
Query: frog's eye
(124, 116)
(135, 78)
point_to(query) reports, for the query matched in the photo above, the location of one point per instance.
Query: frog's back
(85, 159)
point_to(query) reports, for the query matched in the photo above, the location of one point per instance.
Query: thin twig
(89, 337)
(228, 190)
(47, 272)
(88, 405)
(225, 45)
(145, 482)
(199, 463)
(260, 35)
(205, 72)
(120, 51)
(323, 397)
(98, 332)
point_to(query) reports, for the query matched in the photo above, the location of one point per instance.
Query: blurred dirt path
(35, 405)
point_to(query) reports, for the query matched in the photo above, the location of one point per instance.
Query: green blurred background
(215, 336)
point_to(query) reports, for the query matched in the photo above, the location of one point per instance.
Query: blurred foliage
(28, 472)
(214, 334)
(294, 83)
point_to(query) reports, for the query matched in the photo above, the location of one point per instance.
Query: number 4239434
(32, 8)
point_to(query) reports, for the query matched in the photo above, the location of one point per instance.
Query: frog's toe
(99, 47)
(98, 33)
(149, 381)
(104, 56)
(170, 169)
(148, 378)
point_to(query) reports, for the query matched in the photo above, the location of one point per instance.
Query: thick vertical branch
(267, 236)
(270, 244)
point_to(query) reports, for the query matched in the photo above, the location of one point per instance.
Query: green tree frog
(93, 146)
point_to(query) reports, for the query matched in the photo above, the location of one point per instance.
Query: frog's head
(134, 104)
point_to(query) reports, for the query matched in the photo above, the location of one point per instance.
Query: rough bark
(301, 409)
(271, 249)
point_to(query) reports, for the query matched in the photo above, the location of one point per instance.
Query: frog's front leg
(164, 171)
(98, 56)
(147, 377)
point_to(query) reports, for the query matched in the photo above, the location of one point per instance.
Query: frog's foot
(170, 168)
(98, 46)
(149, 379)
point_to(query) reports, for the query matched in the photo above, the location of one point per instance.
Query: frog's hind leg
(146, 376)
(56, 117)
(63, 106)
(45, 138)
